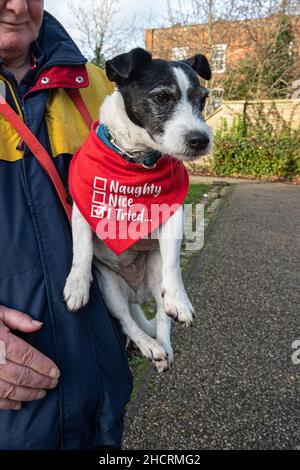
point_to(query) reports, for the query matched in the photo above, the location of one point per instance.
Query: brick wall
(240, 37)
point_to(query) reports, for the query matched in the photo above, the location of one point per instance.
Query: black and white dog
(157, 105)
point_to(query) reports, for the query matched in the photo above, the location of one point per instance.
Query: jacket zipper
(16, 91)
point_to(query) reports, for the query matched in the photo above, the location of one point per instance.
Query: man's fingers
(25, 377)
(6, 404)
(17, 320)
(18, 393)
(20, 352)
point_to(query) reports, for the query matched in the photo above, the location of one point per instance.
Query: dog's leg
(163, 321)
(176, 301)
(77, 288)
(116, 294)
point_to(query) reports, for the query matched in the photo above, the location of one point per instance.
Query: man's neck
(18, 66)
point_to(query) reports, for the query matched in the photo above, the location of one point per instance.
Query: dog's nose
(197, 140)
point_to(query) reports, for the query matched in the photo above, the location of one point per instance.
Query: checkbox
(98, 211)
(99, 197)
(100, 183)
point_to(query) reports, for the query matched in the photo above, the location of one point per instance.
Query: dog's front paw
(77, 290)
(151, 349)
(165, 365)
(178, 306)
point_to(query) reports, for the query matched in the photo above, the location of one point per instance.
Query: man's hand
(27, 373)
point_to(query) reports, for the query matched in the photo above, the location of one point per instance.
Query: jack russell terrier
(128, 181)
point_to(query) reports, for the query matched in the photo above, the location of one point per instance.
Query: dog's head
(166, 99)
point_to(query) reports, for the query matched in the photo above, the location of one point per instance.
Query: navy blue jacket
(87, 408)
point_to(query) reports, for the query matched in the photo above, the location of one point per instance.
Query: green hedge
(260, 145)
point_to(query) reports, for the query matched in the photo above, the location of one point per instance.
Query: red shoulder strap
(36, 147)
(76, 97)
(38, 151)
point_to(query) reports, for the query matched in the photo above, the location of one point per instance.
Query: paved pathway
(233, 384)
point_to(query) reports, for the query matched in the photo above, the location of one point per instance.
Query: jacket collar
(60, 63)
(54, 45)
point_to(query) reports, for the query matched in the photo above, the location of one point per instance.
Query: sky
(144, 10)
(141, 7)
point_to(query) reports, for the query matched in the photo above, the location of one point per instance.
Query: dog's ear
(119, 68)
(200, 64)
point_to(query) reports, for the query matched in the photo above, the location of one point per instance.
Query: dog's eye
(162, 97)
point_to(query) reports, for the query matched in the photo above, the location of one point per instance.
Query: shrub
(259, 143)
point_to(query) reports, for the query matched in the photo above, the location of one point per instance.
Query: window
(180, 53)
(218, 58)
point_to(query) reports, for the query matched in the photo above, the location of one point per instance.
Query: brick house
(224, 42)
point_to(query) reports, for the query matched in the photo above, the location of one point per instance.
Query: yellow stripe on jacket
(66, 128)
(9, 138)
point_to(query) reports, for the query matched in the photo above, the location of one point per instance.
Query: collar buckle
(149, 166)
(149, 160)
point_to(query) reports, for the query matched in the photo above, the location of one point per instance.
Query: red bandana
(123, 201)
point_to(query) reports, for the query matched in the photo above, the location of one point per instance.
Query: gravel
(233, 384)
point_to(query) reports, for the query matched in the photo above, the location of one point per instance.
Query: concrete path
(233, 384)
(226, 179)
